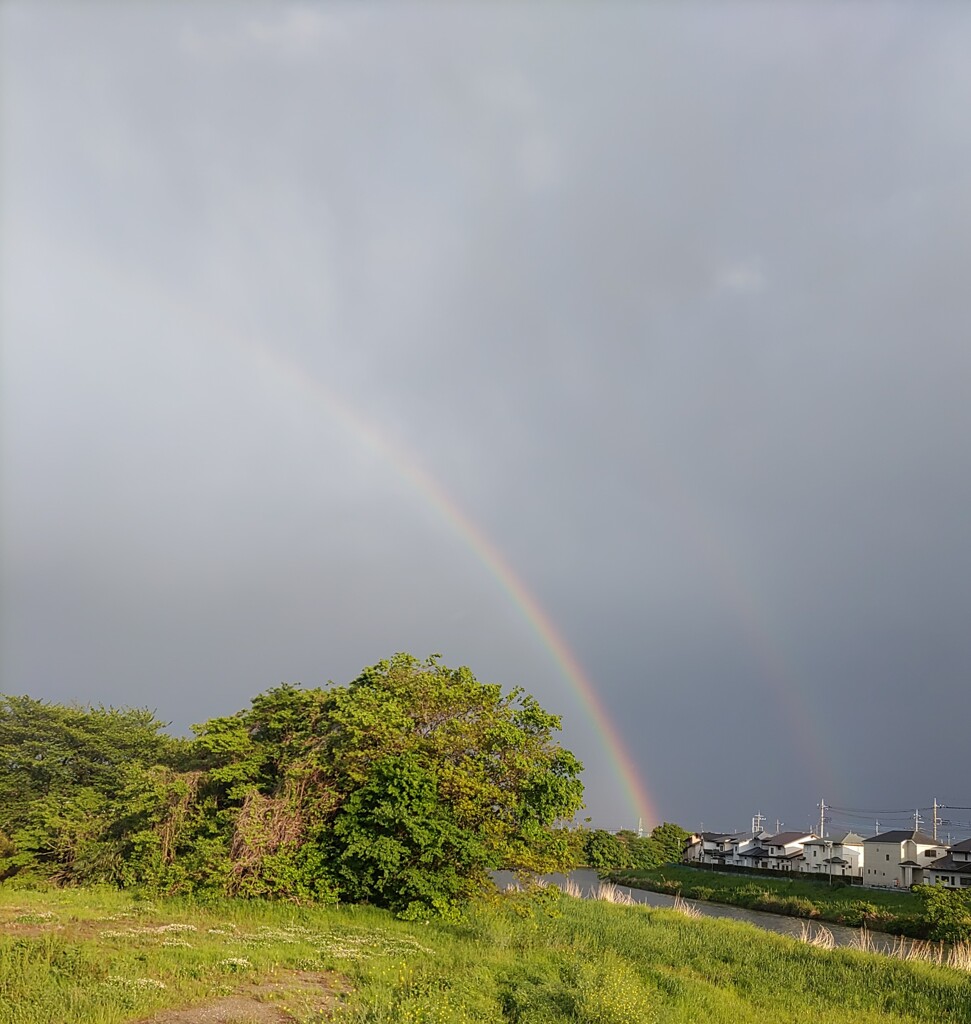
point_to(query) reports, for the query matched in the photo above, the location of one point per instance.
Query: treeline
(403, 788)
(614, 851)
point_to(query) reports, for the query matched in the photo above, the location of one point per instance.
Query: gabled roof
(843, 839)
(784, 838)
(901, 836)
(963, 847)
(960, 867)
(756, 851)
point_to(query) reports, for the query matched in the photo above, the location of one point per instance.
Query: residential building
(780, 852)
(899, 858)
(839, 856)
(707, 847)
(953, 869)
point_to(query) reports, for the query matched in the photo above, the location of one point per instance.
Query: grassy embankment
(898, 912)
(102, 957)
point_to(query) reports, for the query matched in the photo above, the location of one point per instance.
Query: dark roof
(961, 867)
(756, 851)
(785, 837)
(715, 837)
(963, 847)
(902, 835)
(843, 839)
(912, 864)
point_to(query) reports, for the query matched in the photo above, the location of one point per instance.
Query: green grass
(104, 957)
(880, 909)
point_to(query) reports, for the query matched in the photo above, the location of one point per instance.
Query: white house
(706, 847)
(720, 847)
(898, 858)
(785, 849)
(780, 852)
(953, 869)
(836, 856)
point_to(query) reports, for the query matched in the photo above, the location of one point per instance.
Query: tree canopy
(606, 851)
(402, 788)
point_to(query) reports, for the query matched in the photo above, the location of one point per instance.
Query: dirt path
(269, 1002)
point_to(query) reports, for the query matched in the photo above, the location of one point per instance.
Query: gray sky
(672, 301)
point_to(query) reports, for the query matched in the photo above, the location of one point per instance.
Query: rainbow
(126, 278)
(777, 678)
(407, 465)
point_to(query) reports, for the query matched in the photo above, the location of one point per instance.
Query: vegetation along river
(588, 882)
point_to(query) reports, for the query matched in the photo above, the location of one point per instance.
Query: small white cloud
(741, 278)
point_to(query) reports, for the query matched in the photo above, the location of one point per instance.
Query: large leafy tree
(402, 788)
(62, 769)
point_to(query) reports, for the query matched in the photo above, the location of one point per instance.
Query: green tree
(605, 851)
(402, 788)
(62, 768)
(668, 842)
(946, 911)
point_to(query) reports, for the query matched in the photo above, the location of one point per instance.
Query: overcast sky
(672, 302)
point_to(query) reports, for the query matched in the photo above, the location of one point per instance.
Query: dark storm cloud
(670, 300)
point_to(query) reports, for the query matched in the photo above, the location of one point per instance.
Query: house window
(930, 853)
(888, 856)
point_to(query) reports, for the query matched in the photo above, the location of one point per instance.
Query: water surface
(587, 881)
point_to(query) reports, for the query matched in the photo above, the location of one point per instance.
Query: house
(719, 847)
(838, 856)
(707, 848)
(953, 869)
(898, 858)
(754, 856)
(785, 849)
(774, 853)
(738, 845)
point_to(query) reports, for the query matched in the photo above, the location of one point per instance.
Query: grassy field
(882, 909)
(104, 957)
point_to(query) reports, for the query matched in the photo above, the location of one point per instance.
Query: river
(587, 881)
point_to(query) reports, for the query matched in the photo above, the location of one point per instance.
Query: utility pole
(918, 820)
(778, 825)
(758, 823)
(640, 827)
(937, 820)
(822, 818)
(876, 831)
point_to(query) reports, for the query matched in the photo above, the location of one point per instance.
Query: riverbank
(896, 912)
(105, 957)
